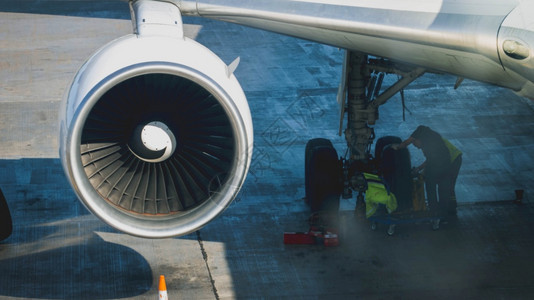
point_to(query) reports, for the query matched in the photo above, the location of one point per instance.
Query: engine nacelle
(156, 135)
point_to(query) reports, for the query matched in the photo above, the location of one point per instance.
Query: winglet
(232, 66)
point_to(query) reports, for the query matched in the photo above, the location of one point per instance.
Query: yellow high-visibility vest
(453, 151)
(377, 193)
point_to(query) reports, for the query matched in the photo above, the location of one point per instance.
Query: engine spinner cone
(152, 142)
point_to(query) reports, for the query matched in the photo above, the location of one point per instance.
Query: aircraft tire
(395, 167)
(384, 141)
(322, 176)
(6, 224)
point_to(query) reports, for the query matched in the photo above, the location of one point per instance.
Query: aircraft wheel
(384, 141)
(6, 224)
(395, 167)
(322, 176)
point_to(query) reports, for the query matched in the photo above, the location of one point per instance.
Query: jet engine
(156, 135)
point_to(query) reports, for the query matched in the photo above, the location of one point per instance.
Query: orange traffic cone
(162, 288)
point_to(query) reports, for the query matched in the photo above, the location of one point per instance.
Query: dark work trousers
(445, 189)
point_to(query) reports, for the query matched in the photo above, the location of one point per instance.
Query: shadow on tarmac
(93, 269)
(54, 252)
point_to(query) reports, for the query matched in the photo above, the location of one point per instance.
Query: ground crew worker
(441, 168)
(378, 193)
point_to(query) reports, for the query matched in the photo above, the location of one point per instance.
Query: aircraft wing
(485, 40)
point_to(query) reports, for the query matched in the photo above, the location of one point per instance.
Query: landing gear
(326, 176)
(6, 225)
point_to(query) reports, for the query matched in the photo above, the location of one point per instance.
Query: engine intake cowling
(156, 135)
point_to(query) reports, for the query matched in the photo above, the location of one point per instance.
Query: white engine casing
(134, 56)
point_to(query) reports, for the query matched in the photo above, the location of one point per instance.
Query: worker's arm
(404, 144)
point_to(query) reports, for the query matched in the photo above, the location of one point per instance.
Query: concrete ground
(60, 251)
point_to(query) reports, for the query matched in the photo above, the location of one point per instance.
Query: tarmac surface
(58, 250)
